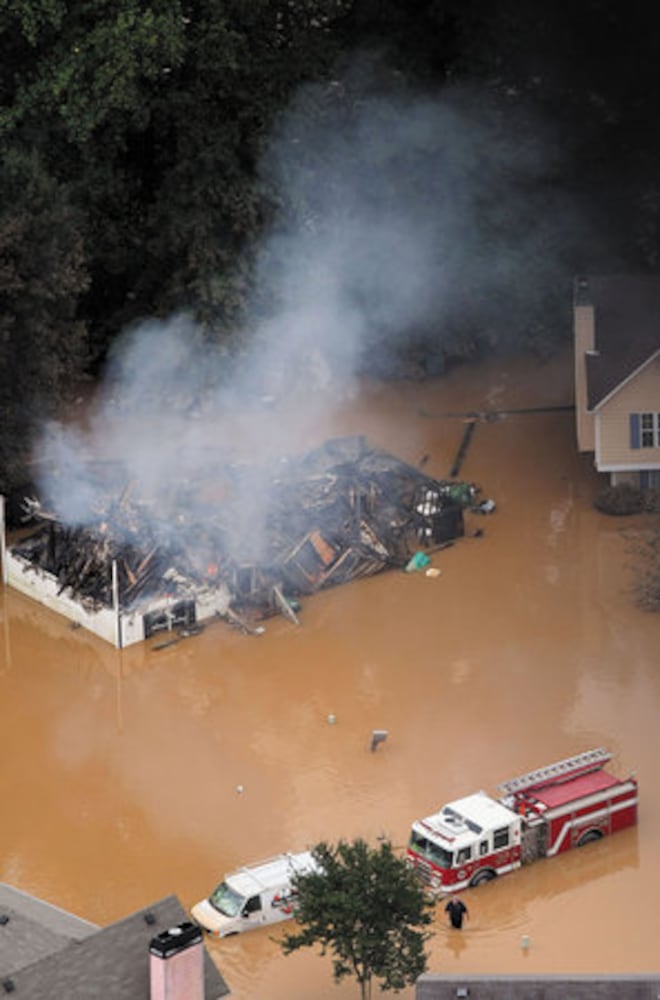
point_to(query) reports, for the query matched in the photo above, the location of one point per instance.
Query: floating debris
(165, 644)
(378, 736)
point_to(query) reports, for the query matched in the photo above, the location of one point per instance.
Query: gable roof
(96, 964)
(627, 329)
(31, 929)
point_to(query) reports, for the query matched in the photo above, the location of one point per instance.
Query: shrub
(651, 500)
(646, 587)
(622, 499)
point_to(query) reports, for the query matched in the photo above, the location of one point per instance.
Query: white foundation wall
(121, 629)
(43, 587)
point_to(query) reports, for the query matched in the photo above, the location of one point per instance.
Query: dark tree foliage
(591, 69)
(243, 61)
(366, 907)
(154, 114)
(42, 274)
(142, 124)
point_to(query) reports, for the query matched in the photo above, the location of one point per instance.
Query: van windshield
(226, 901)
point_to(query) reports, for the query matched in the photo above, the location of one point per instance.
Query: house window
(645, 430)
(649, 429)
(649, 479)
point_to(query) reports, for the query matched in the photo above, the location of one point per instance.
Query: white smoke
(397, 214)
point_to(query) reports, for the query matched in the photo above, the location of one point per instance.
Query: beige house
(617, 375)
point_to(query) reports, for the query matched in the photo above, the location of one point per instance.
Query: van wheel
(589, 837)
(485, 876)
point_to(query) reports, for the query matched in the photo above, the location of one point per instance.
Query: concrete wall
(121, 630)
(43, 587)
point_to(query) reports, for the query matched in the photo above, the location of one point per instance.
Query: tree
(153, 115)
(243, 62)
(42, 275)
(367, 907)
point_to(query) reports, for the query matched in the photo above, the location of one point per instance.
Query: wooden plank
(284, 606)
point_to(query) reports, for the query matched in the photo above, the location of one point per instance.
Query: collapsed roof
(339, 512)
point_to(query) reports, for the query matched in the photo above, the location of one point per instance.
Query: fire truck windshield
(432, 852)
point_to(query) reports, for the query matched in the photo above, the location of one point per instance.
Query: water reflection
(498, 907)
(455, 942)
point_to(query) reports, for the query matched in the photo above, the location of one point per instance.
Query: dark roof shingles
(34, 929)
(627, 330)
(114, 962)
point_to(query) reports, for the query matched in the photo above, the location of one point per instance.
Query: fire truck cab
(467, 842)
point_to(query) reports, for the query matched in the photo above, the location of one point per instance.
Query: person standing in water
(457, 911)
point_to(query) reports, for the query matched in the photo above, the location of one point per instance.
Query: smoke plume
(402, 219)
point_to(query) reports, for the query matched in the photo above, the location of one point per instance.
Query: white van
(253, 896)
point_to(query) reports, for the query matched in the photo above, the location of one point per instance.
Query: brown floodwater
(120, 770)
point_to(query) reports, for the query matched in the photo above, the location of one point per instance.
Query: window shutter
(634, 430)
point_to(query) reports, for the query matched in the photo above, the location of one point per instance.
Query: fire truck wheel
(481, 877)
(589, 837)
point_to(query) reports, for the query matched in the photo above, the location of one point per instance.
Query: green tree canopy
(42, 274)
(154, 115)
(366, 907)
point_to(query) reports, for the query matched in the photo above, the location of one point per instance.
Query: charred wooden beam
(284, 606)
(341, 512)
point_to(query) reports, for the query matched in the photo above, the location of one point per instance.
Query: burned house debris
(245, 546)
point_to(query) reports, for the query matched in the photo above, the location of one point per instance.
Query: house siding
(584, 332)
(614, 451)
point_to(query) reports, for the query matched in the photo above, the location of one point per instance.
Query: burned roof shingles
(341, 511)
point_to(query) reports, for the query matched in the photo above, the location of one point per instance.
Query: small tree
(43, 274)
(367, 907)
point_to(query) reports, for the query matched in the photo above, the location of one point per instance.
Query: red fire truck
(537, 815)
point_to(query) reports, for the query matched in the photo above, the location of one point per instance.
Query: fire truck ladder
(563, 770)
